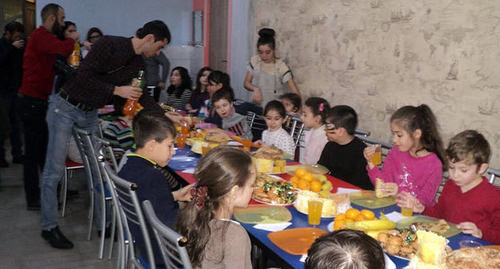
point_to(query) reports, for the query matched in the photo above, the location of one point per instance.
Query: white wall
(124, 17)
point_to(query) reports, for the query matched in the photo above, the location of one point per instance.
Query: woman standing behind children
(179, 91)
(200, 93)
(226, 177)
(231, 121)
(267, 75)
(313, 117)
(415, 163)
(467, 198)
(274, 115)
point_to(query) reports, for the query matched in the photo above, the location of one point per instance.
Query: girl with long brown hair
(226, 176)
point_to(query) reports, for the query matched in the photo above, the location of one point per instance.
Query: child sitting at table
(313, 116)
(154, 136)
(415, 163)
(274, 115)
(467, 198)
(344, 249)
(223, 103)
(119, 132)
(292, 103)
(226, 176)
(343, 154)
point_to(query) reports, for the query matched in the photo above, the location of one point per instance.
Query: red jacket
(39, 59)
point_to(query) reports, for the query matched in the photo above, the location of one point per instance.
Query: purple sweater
(423, 175)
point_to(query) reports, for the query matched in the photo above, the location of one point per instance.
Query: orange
(315, 186)
(348, 220)
(300, 172)
(367, 214)
(352, 213)
(360, 217)
(308, 176)
(294, 179)
(338, 225)
(339, 217)
(304, 184)
(295, 184)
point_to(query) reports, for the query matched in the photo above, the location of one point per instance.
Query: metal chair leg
(91, 215)
(64, 192)
(113, 230)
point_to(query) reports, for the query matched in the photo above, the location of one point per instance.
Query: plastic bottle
(75, 58)
(130, 107)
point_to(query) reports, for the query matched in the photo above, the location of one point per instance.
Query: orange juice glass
(184, 129)
(407, 212)
(181, 141)
(205, 149)
(314, 209)
(377, 157)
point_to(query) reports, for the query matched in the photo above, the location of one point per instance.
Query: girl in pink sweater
(415, 163)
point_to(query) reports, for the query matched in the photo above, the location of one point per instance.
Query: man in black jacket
(11, 72)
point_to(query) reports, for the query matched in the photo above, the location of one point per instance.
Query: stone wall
(378, 55)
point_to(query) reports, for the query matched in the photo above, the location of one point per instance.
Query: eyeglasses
(330, 127)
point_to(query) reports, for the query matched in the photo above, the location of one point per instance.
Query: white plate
(183, 159)
(267, 203)
(305, 213)
(330, 226)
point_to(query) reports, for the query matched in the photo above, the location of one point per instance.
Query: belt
(72, 101)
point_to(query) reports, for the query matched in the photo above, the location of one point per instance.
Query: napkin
(395, 216)
(346, 190)
(272, 227)
(389, 264)
(303, 258)
(189, 171)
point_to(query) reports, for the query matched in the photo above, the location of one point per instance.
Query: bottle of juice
(130, 107)
(75, 57)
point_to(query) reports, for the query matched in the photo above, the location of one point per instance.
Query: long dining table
(184, 161)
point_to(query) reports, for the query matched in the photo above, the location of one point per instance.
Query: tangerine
(294, 179)
(360, 217)
(348, 220)
(308, 176)
(338, 225)
(339, 217)
(304, 184)
(299, 172)
(368, 214)
(352, 213)
(315, 186)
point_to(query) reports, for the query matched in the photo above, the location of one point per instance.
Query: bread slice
(378, 188)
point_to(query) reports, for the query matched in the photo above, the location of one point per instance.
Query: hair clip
(330, 126)
(199, 194)
(321, 107)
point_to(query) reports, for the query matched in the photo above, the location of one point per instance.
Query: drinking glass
(469, 243)
(184, 128)
(181, 141)
(205, 149)
(406, 211)
(377, 156)
(314, 209)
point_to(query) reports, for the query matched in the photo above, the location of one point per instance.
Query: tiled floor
(21, 245)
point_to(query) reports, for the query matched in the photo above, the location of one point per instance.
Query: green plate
(405, 224)
(262, 214)
(369, 200)
(312, 168)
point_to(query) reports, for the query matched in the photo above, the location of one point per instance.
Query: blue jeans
(61, 117)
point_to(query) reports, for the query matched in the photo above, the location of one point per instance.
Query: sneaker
(56, 238)
(3, 163)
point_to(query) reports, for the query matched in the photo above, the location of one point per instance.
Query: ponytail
(412, 118)
(319, 106)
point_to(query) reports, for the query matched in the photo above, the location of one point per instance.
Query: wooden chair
(172, 245)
